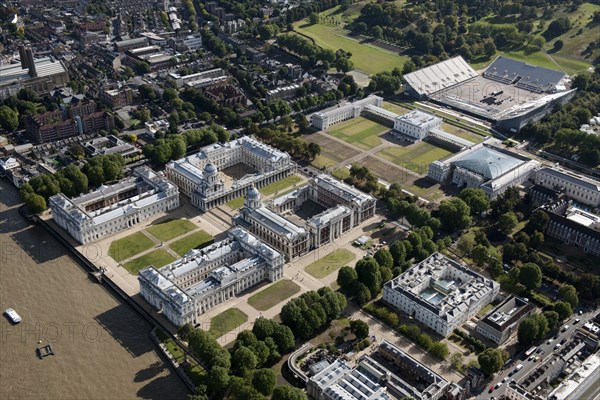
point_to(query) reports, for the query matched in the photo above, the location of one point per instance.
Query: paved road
(549, 348)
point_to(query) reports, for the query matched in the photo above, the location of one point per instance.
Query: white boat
(12, 315)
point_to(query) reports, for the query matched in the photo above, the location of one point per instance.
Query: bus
(530, 351)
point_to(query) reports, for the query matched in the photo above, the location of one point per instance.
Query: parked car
(12, 315)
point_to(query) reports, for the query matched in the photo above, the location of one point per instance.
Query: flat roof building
(416, 124)
(324, 119)
(205, 278)
(440, 293)
(578, 187)
(500, 323)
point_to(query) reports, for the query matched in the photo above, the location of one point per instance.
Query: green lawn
(366, 57)
(171, 229)
(330, 263)
(395, 108)
(129, 246)
(462, 133)
(341, 173)
(322, 161)
(273, 295)
(485, 309)
(226, 321)
(236, 203)
(361, 132)
(280, 185)
(415, 157)
(431, 193)
(157, 258)
(195, 240)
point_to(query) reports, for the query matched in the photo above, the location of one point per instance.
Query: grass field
(273, 295)
(322, 161)
(193, 241)
(158, 258)
(129, 246)
(226, 321)
(431, 193)
(330, 263)
(367, 58)
(171, 229)
(341, 173)
(462, 133)
(395, 108)
(360, 132)
(280, 185)
(236, 203)
(415, 157)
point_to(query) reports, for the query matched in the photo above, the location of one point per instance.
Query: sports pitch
(360, 132)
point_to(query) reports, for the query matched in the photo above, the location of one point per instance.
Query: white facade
(440, 293)
(582, 189)
(416, 124)
(114, 208)
(324, 119)
(203, 279)
(198, 175)
(8, 164)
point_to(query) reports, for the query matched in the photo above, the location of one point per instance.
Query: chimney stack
(31, 63)
(23, 57)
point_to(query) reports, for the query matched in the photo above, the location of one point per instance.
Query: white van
(12, 315)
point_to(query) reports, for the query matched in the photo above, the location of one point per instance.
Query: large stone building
(500, 323)
(440, 293)
(485, 165)
(340, 208)
(416, 124)
(203, 279)
(111, 209)
(579, 188)
(42, 75)
(387, 374)
(324, 119)
(206, 177)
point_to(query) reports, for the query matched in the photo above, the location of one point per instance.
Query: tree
(264, 381)
(398, 252)
(490, 361)
(263, 328)
(465, 244)
(217, 380)
(363, 295)
(454, 214)
(313, 18)
(344, 65)
(243, 361)
(424, 340)
(184, 331)
(476, 199)
(563, 309)
(507, 222)
(359, 328)
(439, 350)
(568, 293)
(284, 338)
(288, 393)
(347, 279)
(9, 119)
(384, 258)
(528, 331)
(456, 360)
(480, 255)
(368, 273)
(530, 276)
(489, 48)
(35, 203)
(552, 319)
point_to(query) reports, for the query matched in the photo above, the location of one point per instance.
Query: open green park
(273, 294)
(129, 246)
(366, 57)
(360, 132)
(171, 229)
(158, 258)
(415, 157)
(330, 263)
(227, 321)
(194, 240)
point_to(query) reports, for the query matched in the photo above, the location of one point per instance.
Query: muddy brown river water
(102, 346)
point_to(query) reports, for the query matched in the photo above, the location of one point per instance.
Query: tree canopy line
(71, 180)
(294, 145)
(559, 132)
(313, 56)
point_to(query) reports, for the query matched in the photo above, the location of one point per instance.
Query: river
(102, 346)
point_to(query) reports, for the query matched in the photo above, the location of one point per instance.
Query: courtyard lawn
(366, 57)
(171, 229)
(330, 263)
(280, 185)
(226, 322)
(360, 132)
(158, 258)
(129, 246)
(195, 240)
(415, 157)
(321, 161)
(462, 133)
(236, 203)
(484, 310)
(341, 173)
(273, 295)
(395, 108)
(431, 193)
